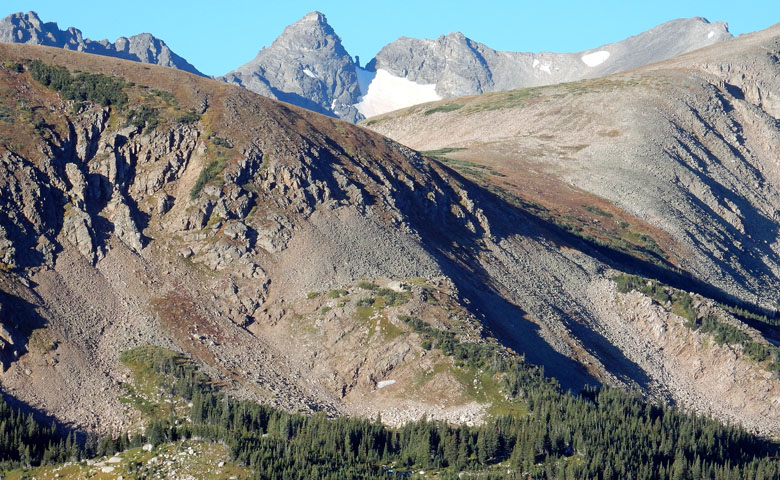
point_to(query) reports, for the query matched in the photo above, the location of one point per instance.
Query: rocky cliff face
(28, 28)
(306, 66)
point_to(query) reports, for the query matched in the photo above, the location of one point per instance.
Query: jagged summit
(311, 32)
(145, 47)
(29, 28)
(314, 16)
(306, 65)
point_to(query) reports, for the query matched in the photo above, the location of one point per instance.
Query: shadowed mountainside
(282, 249)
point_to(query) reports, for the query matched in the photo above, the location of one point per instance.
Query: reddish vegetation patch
(181, 319)
(539, 189)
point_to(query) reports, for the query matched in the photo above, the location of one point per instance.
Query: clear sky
(218, 36)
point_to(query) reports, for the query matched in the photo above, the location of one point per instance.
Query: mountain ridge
(308, 66)
(144, 47)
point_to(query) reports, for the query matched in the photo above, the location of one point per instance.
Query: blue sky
(217, 37)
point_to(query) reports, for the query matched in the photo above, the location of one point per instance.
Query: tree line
(601, 433)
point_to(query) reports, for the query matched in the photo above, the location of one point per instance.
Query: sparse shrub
(311, 295)
(13, 66)
(652, 288)
(209, 174)
(191, 116)
(450, 107)
(144, 117)
(722, 332)
(392, 298)
(366, 302)
(221, 142)
(367, 286)
(325, 310)
(756, 351)
(167, 97)
(683, 306)
(97, 88)
(428, 297)
(6, 114)
(597, 211)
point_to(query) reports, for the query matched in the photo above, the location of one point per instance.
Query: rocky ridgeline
(460, 66)
(308, 66)
(144, 47)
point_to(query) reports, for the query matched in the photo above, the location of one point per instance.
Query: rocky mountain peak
(306, 65)
(314, 16)
(29, 28)
(312, 32)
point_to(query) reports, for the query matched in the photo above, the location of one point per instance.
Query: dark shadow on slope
(509, 322)
(474, 282)
(301, 101)
(19, 318)
(44, 419)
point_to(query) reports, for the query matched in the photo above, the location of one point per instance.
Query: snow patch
(385, 383)
(711, 34)
(311, 74)
(545, 67)
(595, 58)
(386, 93)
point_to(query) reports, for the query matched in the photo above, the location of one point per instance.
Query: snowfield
(595, 58)
(386, 93)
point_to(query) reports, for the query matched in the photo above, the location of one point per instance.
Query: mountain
(410, 71)
(28, 28)
(175, 251)
(687, 146)
(306, 66)
(317, 266)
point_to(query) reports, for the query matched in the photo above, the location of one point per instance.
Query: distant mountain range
(308, 66)
(146, 48)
